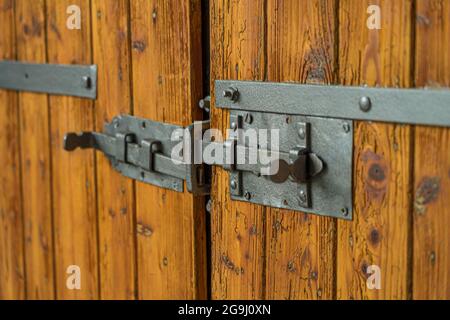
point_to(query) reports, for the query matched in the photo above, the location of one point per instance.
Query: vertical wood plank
(380, 231)
(74, 183)
(111, 53)
(35, 150)
(301, 248)
(12, 273)
(238, 51)
(167, 85)
(431, 271)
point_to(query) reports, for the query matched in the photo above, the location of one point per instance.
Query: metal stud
(365, 104)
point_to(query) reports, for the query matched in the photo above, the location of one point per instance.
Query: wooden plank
(115, 193)
(12, 273)
(380, 231)
(300, 247)
(36, 162)
(431, 277)
(237, 229)
(74, 183)
(167, 85)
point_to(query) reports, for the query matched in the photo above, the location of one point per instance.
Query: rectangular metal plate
(331, 139)
(147, 129)
(68, 80)
(408, 106)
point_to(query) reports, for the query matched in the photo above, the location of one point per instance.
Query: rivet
(302, 133)
(232, 94)
(302, 196)
(365, 104)
(346, 127)
(86, 82)
(345, 212)
(247, 196)
(205, 104)
(233, 185)
(248, 118)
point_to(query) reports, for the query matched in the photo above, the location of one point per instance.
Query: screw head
(87, 83)
(302, 196)
(247, 196)
(205, 104)
(233, 184)
(345, 212)
(365, 104)
(248, 118)
(232, 94)
(346, 127)
(302, 133)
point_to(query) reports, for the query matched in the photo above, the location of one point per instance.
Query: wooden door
(59, 209)
(401, 173)
(130, 240)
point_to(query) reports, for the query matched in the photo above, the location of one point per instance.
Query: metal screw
(302, 196)
(247, 196)
(346, 127)
(248, 118)
(345, 212)
(233, 184)
(232, 94)
(365, 104)
(234, 125)
(302, 133)
(86, 82)
(205, 104)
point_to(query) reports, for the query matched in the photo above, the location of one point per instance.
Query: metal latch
(294, 175)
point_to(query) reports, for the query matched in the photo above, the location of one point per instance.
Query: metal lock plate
(328, 194)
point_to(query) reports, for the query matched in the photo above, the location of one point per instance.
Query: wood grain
(12, 268)
(74, 183)
(167, 82)
(300, 247)
(380, 231)
(431, 278)
(238, 39)
(36, 162)
(117, 230)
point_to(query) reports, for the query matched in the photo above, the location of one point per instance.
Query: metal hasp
(312, 170)
(67, 80)
(142, 150)
(407, 106)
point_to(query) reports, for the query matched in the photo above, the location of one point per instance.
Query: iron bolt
(365, 104)
(346, 127)
(302, 133)
(303, 196)
(205, 104)
(232, 94)
(345, 212)
(86, 82)
(248, 118)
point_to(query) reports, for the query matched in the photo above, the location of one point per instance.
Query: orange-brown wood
(301, 44)
(74, 183)
(167, 82)
(36, 162)
(379, 233)
(431, 271)
(12, 268)
(238, 40)
(117, 251)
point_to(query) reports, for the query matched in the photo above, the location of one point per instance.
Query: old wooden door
(66, 212)
(59, 209)
(401, 173)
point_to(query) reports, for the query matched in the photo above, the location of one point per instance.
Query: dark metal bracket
(67, 80)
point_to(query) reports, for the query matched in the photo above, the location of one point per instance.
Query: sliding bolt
(231, 94)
